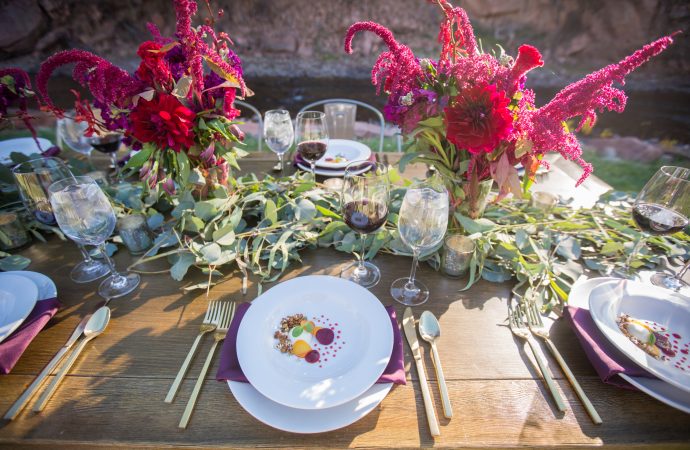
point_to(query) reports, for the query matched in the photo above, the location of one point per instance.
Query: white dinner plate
(46, 286)
(662, 309)
(344, 148)
(658, 389)
(25, 146)
(346, 369)
(307, 421)
(17, 298)
(332, 172)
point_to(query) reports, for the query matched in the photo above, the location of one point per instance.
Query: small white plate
(363, 342)
(660, 390)
(25, 146)
(331, 172)
(345, 148)
(645, 302)
(46, 286)
(17, 298)
(303, 420)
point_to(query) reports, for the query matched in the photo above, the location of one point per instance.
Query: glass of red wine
(109, 144)
(662, 208)
(311, 135)
(364, 202)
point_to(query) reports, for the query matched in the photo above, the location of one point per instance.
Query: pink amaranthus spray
(469, 114)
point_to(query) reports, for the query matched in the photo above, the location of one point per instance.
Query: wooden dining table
(113, 396)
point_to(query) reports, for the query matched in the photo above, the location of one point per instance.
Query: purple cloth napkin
(299, 160)
(607, 360)
(230, 366)
(13, 347)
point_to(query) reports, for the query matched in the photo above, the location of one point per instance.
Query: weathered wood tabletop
(114, 393)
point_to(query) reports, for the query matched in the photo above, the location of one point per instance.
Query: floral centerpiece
(176, 108)
(470, 115)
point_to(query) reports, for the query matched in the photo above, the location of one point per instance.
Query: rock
(626, 148)
(21, 23)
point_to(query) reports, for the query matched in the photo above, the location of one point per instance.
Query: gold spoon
(430, 330)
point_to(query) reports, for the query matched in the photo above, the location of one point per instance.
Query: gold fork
(519, 329)
(536, 325)
(207, 325)
(228, 312)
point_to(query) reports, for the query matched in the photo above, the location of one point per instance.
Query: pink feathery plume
(107, 82)
(583, 99)
(456, 34)
(528, 58)
(398, 66)
(22, 81)
(184, 10)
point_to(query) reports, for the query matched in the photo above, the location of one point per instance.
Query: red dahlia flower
(153, 69)
(163, 121)
(478, 118)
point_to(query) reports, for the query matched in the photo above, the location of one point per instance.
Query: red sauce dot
(676, 335)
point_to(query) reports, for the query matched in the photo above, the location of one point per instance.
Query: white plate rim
(329, 172)
(579, 297)
(364, 153)
(621, 342)
(266, 382)
(265, 410)
(46, 287)
(6, 150)
(30, 292)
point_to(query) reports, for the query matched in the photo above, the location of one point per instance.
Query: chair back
(239, 104)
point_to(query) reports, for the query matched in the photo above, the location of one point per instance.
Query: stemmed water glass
(422, 222)
(662, 208)
(86, 216)
(311, 135)
(364, 202)
(278, 133)
(33, 178)
(71, 132)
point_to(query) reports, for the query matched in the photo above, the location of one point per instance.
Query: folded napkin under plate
(298, 160)
(12, 348)
(230, 369)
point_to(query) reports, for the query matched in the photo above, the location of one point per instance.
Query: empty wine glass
(278, 133)
(86, 216)
(33, 178)
(364, 202)
(662, 208)
(422, 223)
(71, 132)
(311, 135)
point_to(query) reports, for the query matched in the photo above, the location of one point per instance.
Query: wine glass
(33, 178)
(107, 143)
(311, 135)
(662, 208)
(278, 132)
(71, 133)
(86, 216)
(364, 203)
(422, 222)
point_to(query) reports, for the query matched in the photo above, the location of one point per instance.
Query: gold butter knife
(411, 335)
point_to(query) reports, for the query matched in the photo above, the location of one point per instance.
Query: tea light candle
(456, 255)
(100, 177)
(543, 200)
(12, 232)
(134, 233)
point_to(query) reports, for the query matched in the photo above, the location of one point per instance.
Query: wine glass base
(369, 277)
(414, 295)
(667, 281)
(87, 271)
(123, 284)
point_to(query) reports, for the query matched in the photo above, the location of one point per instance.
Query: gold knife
(411, 335)
(33, 387)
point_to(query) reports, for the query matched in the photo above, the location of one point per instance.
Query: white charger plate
(350, 150)
(658, 389)
(17, 298)
(363, 335)
(46, 286)
(25, 146)
(643, 302)
(303, 420)
(331, 172)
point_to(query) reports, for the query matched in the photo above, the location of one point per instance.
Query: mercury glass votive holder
(134, 233)
(12, 232)
(456, 255)
(543, 200)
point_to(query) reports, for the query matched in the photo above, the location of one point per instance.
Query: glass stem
(633, 254)
(360, 260)
(685, 268)
(109, 261)
(410, 283)
(313, 170)
(84, 253)
(282, 167)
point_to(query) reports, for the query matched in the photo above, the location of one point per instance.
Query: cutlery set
(525, 321)
(90, 327)
(430, 330)
(218, 317)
